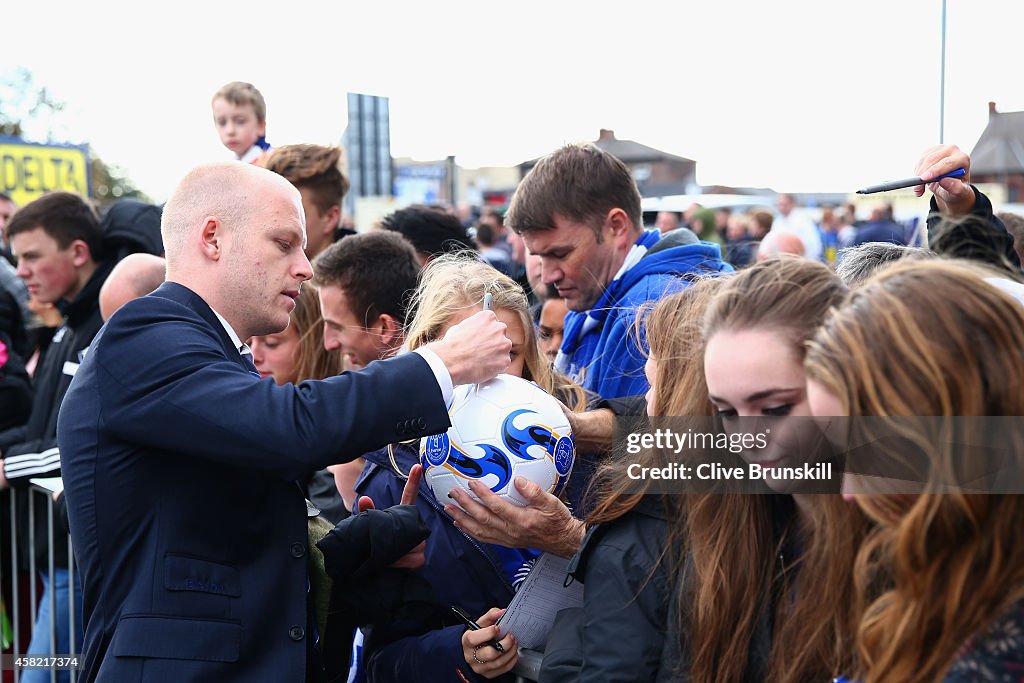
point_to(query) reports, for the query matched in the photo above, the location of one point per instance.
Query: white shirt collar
(242, 348)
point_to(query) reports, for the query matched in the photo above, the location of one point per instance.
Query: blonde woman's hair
(452, 283)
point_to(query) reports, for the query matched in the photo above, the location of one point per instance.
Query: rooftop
(1000, 149)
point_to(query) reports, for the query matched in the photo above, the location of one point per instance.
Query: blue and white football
(501, 429)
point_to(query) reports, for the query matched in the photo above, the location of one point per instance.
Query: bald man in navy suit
(179, 461)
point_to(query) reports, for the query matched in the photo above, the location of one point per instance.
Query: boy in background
(318, 173)
(240, 116)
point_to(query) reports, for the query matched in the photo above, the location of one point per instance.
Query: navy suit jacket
(179, 467)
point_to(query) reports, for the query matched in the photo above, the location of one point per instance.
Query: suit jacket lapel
(186, 297)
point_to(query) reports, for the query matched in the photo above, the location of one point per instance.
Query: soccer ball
(501, 429)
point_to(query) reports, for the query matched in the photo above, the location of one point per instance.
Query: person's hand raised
(954, 196)
(416, 557)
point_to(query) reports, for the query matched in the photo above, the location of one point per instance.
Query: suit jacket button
(296, 633)
(421, 423)
(298, 550)
(400, 427)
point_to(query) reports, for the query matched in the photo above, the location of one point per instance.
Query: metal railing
(527, 669)
(14, 662)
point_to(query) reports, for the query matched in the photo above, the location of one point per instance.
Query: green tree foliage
(109, 183)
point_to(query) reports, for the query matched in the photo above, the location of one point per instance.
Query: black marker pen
(473, 626)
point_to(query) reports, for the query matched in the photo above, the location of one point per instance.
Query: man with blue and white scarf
(579, 210)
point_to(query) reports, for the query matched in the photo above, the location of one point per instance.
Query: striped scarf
(579, 326)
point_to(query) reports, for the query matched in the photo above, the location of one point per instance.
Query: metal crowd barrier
(13, 661)
(527, 669)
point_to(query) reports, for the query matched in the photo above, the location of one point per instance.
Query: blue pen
(909, 182)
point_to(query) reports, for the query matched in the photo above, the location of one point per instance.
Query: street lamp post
(942, 80)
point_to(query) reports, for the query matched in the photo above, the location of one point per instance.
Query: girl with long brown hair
(750, 587)
(935, 339)
(767, 582)
(625, 562)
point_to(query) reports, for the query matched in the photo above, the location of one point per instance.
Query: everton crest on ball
(502, 429)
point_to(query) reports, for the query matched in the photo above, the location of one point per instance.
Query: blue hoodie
(461, 571)
(607, 360)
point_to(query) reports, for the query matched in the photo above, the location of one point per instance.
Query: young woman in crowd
(762, 583)
(768, 590)
(295, 355)
(625, 560)
(934, 339)
(460, 570)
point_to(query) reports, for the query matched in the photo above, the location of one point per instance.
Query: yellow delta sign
(29, 170)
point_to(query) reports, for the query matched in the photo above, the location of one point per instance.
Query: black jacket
(130, 226)
(620, 632)
(426, 645)
(15, 400)
(30, 451)
(15, 390)
(13, 324)
(985, 239)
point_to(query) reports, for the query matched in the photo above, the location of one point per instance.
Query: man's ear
(211, 240)
(333, 218)
(621, 227)
(391, 330)
(80, 253)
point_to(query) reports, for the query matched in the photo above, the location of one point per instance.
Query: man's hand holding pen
(954, 196)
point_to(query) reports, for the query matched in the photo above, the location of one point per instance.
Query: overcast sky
(796, 95)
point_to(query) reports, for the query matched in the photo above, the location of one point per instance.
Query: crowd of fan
(703, 313)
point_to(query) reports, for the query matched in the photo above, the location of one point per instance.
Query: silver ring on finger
(476, 657)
